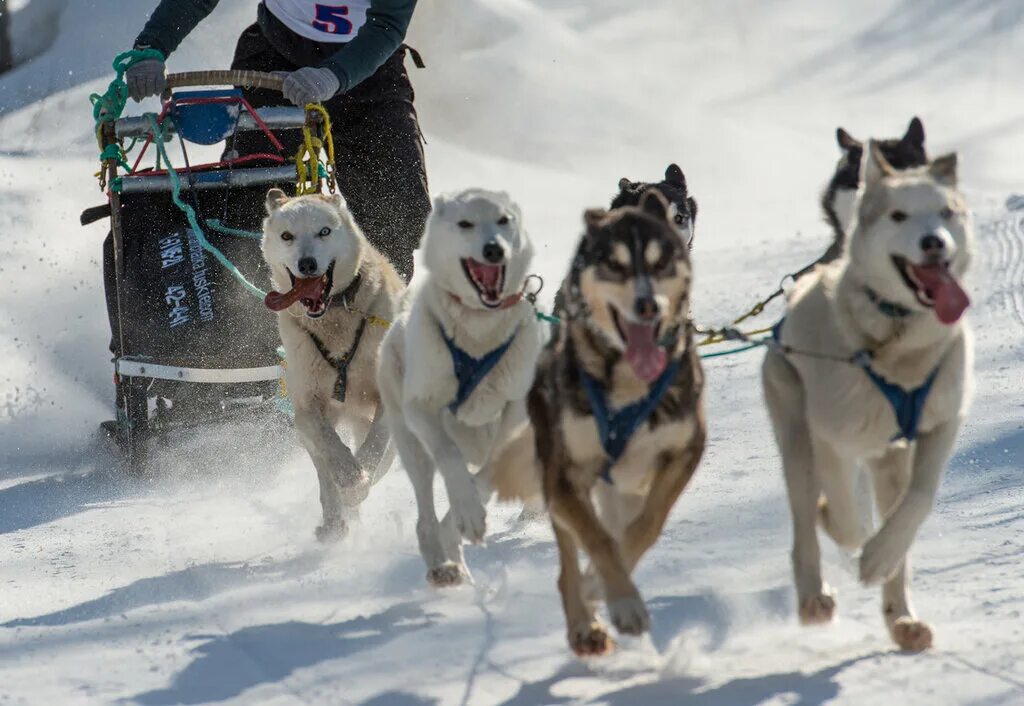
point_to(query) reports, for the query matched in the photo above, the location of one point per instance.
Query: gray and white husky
(874, 368)
(457, 364)
(336, 295)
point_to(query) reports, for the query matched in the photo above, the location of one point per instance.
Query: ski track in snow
(205, 585)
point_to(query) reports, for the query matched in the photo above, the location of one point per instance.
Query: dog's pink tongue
(303, 288)
(643, 353)
(950, 299)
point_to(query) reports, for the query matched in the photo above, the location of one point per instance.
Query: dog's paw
(447, 575)
(911, 634)
(353, 490)
(819, 609)
(629, 615)
(332, 531)
(590, 640)
(881, 558)
(468, 511)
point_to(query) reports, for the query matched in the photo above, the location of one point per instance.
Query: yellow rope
(307, 159)
(713, 337)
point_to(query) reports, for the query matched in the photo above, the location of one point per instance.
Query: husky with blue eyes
(335, 295)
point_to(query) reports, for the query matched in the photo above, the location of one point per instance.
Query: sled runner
(183, 274)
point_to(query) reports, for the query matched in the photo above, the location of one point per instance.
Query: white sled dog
(339, 294)
(457, 364)
(873, 366)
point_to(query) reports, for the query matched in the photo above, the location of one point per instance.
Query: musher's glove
(310, 85)
(146, 78)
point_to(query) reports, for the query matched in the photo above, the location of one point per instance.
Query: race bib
(331, 21)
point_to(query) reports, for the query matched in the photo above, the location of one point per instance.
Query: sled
(192, 341)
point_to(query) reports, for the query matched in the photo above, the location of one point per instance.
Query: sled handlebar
(228, 77)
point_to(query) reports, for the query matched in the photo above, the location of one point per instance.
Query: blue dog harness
(907, 405)
(616, 427)
(470, 371)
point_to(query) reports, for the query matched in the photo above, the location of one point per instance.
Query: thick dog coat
(456, 366)
(616, 419)
(892, 305)
(338, 295)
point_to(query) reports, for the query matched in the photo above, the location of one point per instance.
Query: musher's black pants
(378, 148)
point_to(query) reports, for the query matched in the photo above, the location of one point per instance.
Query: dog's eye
(898, 216)
(946, 213)
(680, 219)
(503, 221)
(324, 232)
(287, 237)
(465, 225)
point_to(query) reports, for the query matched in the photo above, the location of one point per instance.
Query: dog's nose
(307, 266)
(646, 308)
(493, 252)
(932, 245)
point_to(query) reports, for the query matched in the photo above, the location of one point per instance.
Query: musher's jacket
(352, 38)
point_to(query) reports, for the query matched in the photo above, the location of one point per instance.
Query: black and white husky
(838, 199)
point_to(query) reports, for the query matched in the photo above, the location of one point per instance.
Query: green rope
(107, 107)
(190, 213)
(215, 224)
(741, 349)
(114, 151)
(553, 320)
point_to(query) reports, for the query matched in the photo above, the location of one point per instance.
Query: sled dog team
(604, 423)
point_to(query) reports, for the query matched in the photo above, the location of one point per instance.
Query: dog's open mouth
(312, 292)
(488, 280)
(644, 355)
(935, 287)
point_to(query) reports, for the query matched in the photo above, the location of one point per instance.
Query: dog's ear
(692, 203)
(874, 165)
(674, 175)
(915, 133)
(943, 170)
(654, 203)
(337, 200)
(624, 183)
(440, 204)
(846, 141)
(593, 219)
(275, 200)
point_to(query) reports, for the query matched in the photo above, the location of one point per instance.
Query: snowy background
(206, 585)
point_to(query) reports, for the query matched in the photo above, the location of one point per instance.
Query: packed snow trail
(206, 585)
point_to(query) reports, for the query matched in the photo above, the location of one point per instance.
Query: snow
(205, 584)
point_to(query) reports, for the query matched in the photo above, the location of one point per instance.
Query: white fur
(417, 380)
(345, 477)
(828, 417)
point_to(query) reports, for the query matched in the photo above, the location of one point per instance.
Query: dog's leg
(467, 509)
(883, 553)
(575, 512)
(616, 510)
(668, 485)
(342, 481)
(783, 393)
(420, 467)
(891, 477)
(586, 635)
(838, 510)
(376, 453)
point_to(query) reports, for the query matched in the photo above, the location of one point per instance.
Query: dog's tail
(515, 471)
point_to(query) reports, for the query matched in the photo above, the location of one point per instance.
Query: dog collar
(890, 309)
(349, 294)
(506, 303)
